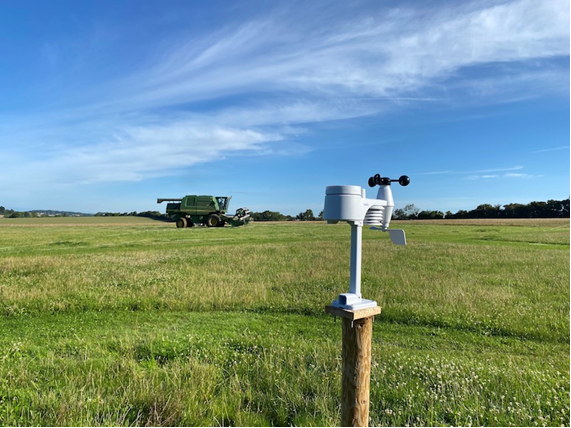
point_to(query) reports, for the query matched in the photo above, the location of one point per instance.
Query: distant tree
(551, 208)
(537, 209)
(563, 208)
(305, 216)
(398, 214)
(514, 211)
(486, 211)
(269, 216)
(2, 210)
(309, 215)
(430, 215)
(409, 212)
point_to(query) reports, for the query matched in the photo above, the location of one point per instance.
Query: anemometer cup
(404, 180)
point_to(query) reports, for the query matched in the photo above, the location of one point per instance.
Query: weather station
(350, 204)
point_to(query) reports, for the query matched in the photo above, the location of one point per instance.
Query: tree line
(268, 215)
(550, 209)
(9, 213)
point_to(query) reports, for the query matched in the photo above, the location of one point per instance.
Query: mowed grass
(128, 321)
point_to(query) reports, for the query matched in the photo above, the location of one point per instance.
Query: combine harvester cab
(204, 210)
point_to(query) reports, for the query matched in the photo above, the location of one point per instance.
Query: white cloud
(525, 176)
(506, 175)
(137, 153)
(386, 53)
(149, 151)
(513, 168)
(553, 149)
(288, 71)
(487, 174)
(480, 171)
(381, 55)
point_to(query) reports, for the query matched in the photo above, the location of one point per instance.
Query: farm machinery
(204, 210)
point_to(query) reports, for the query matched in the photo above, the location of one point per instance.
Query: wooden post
(356, 352)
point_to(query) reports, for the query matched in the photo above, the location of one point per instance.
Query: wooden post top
(353, 314)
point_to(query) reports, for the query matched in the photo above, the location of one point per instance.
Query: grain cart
(200, 209)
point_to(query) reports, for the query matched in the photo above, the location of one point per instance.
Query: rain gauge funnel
(350, 204)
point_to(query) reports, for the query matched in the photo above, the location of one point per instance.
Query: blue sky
(107, 105)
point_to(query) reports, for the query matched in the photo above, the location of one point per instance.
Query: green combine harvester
(211, 211)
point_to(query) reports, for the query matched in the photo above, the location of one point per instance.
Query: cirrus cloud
(245, 86)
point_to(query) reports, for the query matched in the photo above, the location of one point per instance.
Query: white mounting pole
(355, 272)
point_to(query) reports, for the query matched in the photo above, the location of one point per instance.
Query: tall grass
(138, 323)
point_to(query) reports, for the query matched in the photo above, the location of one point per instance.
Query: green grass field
(128, 321)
